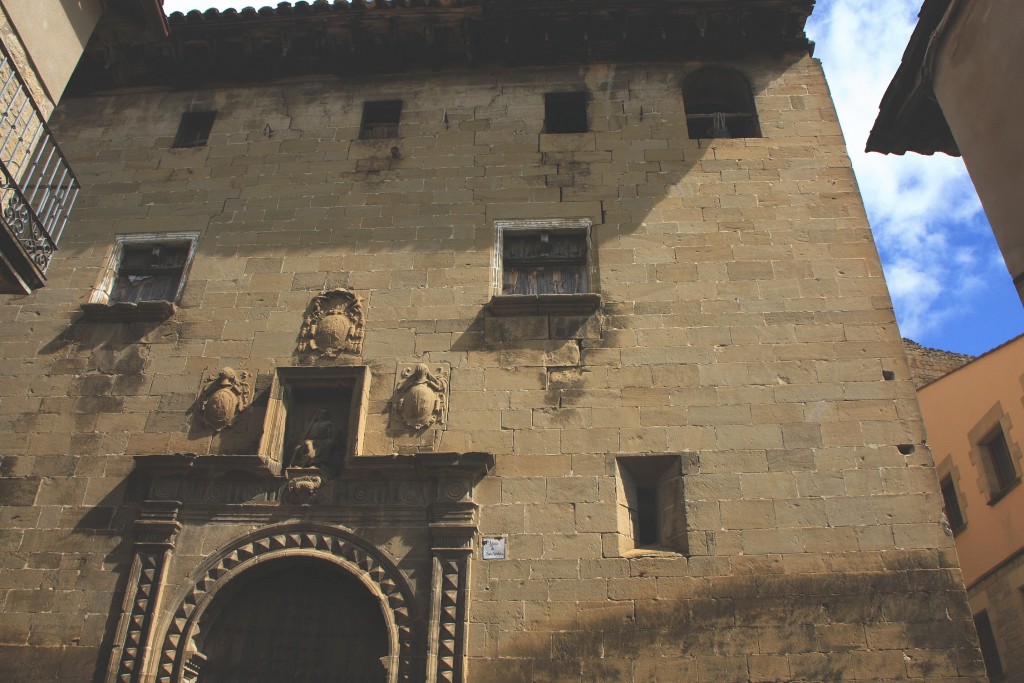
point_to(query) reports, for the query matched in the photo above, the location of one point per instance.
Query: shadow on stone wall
(810, 628)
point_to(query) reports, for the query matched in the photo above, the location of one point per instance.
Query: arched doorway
(297, 619)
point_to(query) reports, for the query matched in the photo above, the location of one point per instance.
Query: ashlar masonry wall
(744, 329)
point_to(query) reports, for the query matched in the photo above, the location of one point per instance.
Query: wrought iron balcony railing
(37, 186)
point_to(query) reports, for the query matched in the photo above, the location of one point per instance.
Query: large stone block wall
(999, 593)
(744, 325)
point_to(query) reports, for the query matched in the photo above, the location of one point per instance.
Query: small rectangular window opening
(194, 129)
(652, 510)
(1003, 472)
(544, 262)
(149, 272)
(565, 112)
(987, 639)
(380, 120)
(954, 515)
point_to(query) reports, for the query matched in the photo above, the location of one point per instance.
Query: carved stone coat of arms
(333, 324)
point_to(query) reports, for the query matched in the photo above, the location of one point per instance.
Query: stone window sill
(996, 497)
(128, 312)
(543, 304)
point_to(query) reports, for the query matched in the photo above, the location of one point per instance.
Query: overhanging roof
(909, 117)
(371, 36)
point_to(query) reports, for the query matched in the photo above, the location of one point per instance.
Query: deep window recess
(565, 112)
(1000, 462)
(719, 104)
(989, 650)
(194, 129)
(954, 515)
(149, 272)
(544, 262)
(651, 507)
(144, 277)
(380, 120)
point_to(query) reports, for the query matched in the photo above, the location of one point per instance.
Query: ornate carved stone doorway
(301, 620)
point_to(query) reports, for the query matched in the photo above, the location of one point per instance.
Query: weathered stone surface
(743, 333)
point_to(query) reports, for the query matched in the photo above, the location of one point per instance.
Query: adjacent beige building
(466, 341)
(973, 416)
(958, 91)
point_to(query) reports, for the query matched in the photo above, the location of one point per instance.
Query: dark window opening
(565, 112)
(719, 104)
(651, 499)
(950, 500)
(1003, 472)
(989, 651)
(544, 262)
(194, 129)
(150, 272)
(380, 120)
(645, 521)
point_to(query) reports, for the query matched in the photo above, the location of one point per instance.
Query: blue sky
(946, 276)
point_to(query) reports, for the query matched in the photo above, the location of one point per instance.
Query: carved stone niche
(315, 419)
(332, 325)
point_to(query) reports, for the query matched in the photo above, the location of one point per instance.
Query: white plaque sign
(494, 548)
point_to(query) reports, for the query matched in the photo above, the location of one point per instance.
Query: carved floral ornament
(224, 396)
(332, 324)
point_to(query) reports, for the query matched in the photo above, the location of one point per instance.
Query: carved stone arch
(368, 563)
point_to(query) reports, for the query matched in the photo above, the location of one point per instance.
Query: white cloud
(924, 210)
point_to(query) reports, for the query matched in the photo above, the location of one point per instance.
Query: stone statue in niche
(320, 443)
(333, 324)
(421, 397)
(223, 398)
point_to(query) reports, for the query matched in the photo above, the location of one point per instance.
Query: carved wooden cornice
(373, 37)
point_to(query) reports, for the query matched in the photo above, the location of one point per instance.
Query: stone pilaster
(155, 533)
(452, 535)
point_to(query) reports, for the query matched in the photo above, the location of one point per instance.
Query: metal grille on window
(544, 263)
(149, 273)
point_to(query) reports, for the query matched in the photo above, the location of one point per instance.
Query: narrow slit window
(951, 502)
(1000, 462)
(565, 112)
(194, 129)
(719, 104)
(645, 519)
(380, 120)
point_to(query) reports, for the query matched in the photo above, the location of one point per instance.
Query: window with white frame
(144, 273)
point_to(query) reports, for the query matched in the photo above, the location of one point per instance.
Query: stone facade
(928, 364)
(740, 365)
